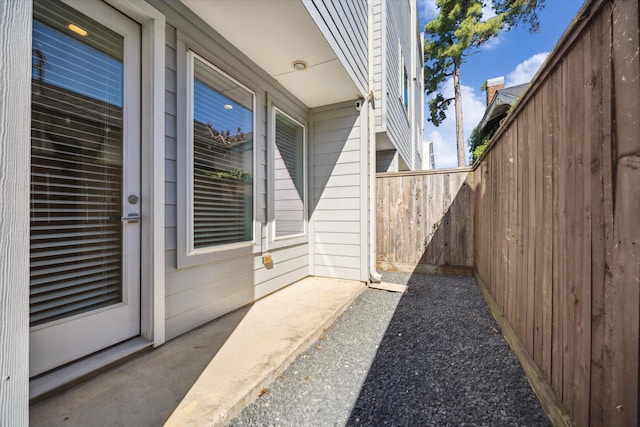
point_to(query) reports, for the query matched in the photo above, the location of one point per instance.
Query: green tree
(479, 140)
(458, 31)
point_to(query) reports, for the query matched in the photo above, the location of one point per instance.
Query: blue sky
(516, 55)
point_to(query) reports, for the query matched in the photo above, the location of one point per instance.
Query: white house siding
(339, 209)
(344, 25)
(200, 292)
(418, 94)
(379, 82)
(392, 32)
(15, 149)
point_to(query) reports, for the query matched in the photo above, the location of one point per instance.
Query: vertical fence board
(529, 221)
(547, 212)
(558, 240)
(599, 119)
(625, 262)
(536, 255)
(582, 296)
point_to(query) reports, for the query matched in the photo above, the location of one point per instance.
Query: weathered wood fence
(425, 221)
(557, 238)
(556, 202)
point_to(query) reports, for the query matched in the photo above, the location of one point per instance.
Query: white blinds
(222, 159)
(289, 177)
(76, 165)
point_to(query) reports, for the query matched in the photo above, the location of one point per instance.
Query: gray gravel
(432, 356)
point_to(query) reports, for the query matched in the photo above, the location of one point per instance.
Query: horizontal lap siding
(557, 223)
(378, 61)
(344, 23)
(337, 192)
(199, 294)
(397, 44)
(385, 161)
(170, 165)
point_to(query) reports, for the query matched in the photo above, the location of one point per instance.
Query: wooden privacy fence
(557, 198)
(556, 221)
(425, 221)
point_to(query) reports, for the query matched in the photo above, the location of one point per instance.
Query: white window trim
(187, 255)
(402, 72)
(294, 239)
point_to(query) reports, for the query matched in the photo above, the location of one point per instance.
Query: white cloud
(427, 10)
(492, 43)
(524, 71)
(487, 10)
(444, 136)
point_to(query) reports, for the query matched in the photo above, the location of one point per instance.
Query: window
(222, 175)
(77, 143)
(403, 81)
(289, 171)
(405, 89)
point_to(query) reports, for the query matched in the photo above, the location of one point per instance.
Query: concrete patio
(207, 376)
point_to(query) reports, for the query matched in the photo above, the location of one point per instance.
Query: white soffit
(273, 34)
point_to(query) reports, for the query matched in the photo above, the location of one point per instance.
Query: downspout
(374, 276)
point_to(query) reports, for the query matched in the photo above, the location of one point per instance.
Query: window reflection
(289, 210)
(222, 159)
(76, 165)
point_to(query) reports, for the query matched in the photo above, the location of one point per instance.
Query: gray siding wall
(199, 293)
(378, 11)
(398, 33)
(393, 28)
(339, 207)
(418, 96)
(385, 161)
(344, 25)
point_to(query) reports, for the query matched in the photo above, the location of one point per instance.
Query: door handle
(133, 217)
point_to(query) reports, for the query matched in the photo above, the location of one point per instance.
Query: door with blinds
(85, 181)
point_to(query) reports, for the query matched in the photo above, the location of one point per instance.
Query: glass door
(85, 181)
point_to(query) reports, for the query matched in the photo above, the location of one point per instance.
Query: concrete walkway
(206, 376)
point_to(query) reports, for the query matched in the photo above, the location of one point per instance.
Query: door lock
(133, 199)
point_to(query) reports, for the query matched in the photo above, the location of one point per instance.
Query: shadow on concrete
(144, 391)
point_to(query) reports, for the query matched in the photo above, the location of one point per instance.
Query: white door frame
(153, 22)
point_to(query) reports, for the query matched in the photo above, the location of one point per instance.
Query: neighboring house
(428, 156)
(499, 103)
(188, 158)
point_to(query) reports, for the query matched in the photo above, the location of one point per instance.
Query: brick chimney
(494, 85)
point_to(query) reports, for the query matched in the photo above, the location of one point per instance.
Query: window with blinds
(222, 159)
(288, 165)
(76, 164)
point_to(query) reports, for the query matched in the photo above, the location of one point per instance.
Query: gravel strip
(433, 356)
